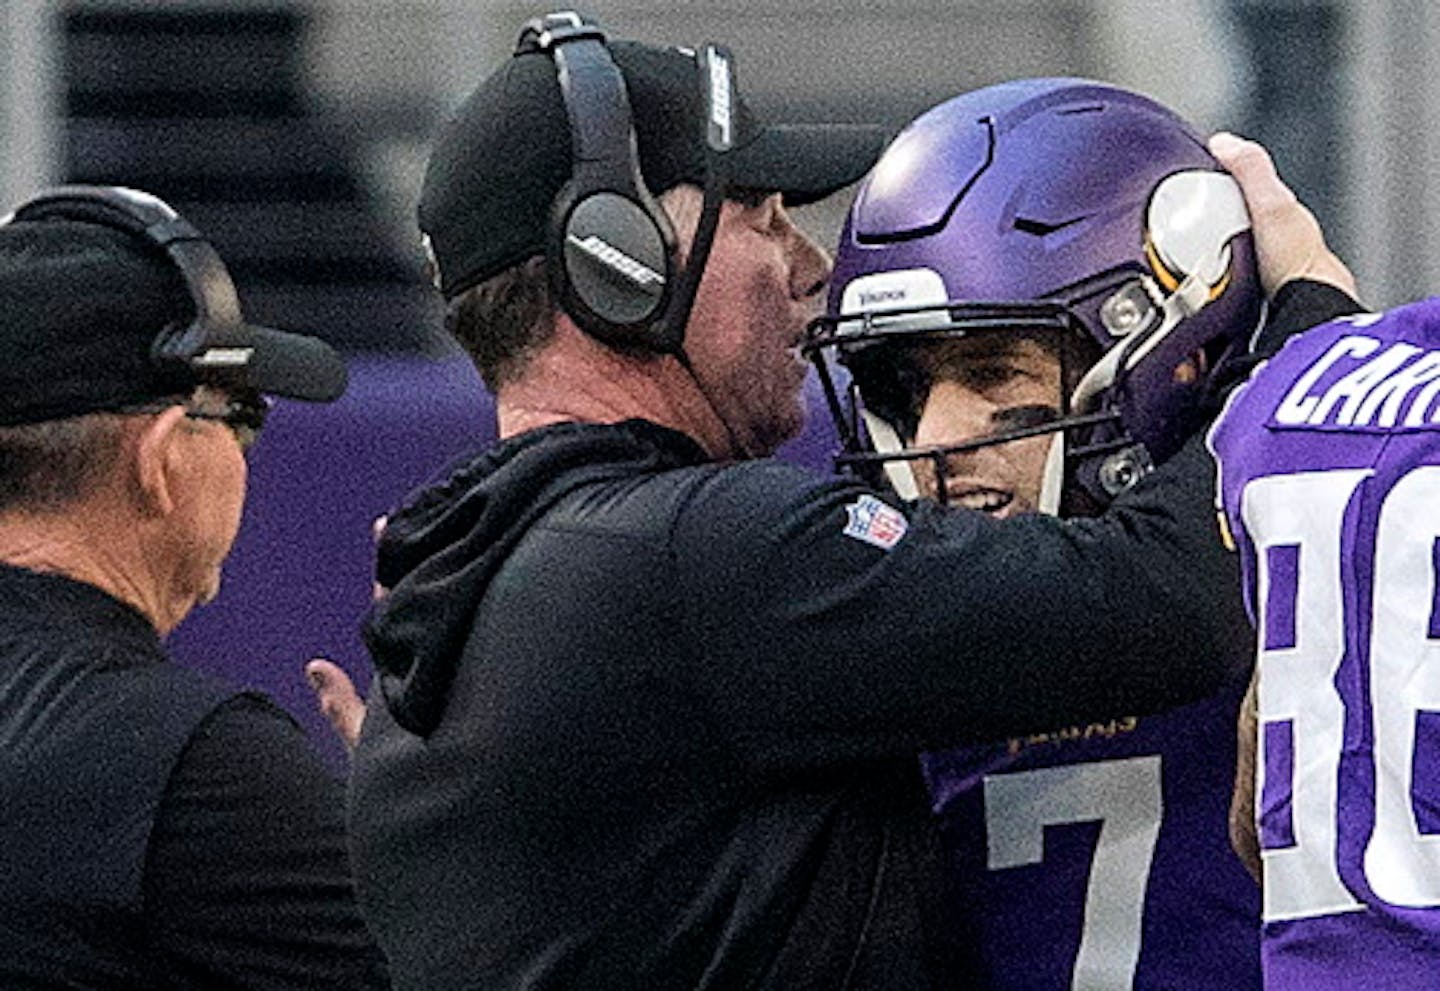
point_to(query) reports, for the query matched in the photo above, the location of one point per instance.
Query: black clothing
(157, 830)
(643, 721)
(1300, 305)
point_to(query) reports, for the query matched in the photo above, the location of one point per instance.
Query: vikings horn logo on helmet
(1192, 218)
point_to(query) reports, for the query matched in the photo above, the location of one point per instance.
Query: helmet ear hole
(1192, 369)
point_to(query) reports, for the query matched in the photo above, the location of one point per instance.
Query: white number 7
(1124, 796)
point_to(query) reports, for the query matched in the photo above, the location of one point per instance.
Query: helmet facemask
(1022, 362)
(889, 362)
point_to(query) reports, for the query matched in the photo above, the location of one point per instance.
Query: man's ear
(155, 451)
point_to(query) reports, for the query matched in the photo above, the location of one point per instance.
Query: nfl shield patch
(872, 521)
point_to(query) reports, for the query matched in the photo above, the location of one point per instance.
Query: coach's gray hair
(45, 467)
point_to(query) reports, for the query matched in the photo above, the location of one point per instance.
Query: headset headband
(611, 247)
(209, 347)
(216, 347)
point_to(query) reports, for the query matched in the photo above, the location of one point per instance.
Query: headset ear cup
(612, 262)
(611, 251)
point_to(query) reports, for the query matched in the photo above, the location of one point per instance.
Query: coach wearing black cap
(647, 702)
(157, 829)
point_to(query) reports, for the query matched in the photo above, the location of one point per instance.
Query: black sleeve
(1299, 305)
(247, 878)
(820, 647)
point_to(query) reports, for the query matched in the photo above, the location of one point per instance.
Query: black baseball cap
(500, 161)
(81, 308)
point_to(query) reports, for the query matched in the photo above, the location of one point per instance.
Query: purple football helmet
(1059, 207)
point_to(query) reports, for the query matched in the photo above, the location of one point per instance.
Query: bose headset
(216, 346)
(611, 250)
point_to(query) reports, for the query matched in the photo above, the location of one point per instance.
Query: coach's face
(211, 495)
(184, 480)
(761, 286)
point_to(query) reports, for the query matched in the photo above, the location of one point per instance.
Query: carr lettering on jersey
(1374, 377)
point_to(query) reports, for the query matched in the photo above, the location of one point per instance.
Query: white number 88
(1297, 683)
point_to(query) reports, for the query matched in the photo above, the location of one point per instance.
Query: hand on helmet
(1288, 241)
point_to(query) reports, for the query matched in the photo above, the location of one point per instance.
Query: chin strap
(885, 440)
(1052, 481)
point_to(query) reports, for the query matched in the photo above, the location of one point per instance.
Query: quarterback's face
(761, 286)
(979, 387)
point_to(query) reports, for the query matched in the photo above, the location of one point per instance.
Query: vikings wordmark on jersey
(1330, 480)
(1106, 730)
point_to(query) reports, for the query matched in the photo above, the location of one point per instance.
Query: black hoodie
(646, 722)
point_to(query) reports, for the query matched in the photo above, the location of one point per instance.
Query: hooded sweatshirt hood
(439, 552)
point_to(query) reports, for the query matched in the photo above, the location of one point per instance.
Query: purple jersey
(1098, 857)
(1330, 481)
